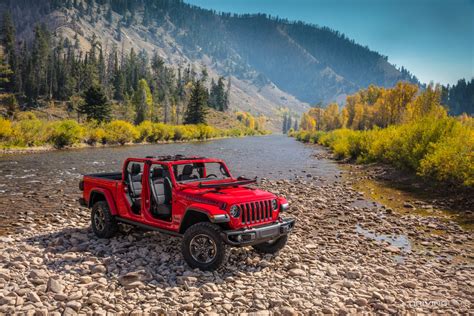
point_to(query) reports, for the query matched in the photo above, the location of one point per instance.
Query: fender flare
(108, 198)
(219, 216)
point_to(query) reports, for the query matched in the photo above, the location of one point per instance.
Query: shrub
(94, 134)
(64, 133)
(162, 132)
(181, 133)
(120, 132)
(206, 131)
(436, 147)
(452, 158)
(145, 132)
(234, 132)
(5, 129)
(28, 130)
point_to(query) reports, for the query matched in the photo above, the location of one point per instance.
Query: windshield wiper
(241, 181)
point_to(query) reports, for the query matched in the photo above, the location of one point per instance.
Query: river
(41, 185)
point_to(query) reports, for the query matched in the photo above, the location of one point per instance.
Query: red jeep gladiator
(192, 197)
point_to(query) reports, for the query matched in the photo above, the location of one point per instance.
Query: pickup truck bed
(106, 176)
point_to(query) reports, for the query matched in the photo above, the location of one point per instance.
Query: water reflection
(400, 241)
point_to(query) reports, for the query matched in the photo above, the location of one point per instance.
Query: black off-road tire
(272, 247)
(213, 232)
(109, 226)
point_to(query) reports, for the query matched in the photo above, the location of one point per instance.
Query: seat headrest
(136, 169)
(188, 170)
(157, 173)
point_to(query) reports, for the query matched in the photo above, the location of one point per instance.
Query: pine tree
(8, 42)
(288, 124)
(5, 73)
(218, 96)
(96, 106)
(197, 107)
(285, 122)
(227, 95)
(119, 80)
(295, 127)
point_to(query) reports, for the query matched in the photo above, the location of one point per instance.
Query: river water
(36, 185)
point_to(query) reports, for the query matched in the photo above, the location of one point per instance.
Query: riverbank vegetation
(401, 126)
(29, 131)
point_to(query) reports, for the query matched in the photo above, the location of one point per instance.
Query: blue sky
(434, 39)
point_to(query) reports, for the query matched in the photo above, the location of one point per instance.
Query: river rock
(57, 265)
(55, 286)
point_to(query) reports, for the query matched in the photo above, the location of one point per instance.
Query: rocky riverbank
(346, 256)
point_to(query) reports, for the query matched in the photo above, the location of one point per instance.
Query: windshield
(198, 172)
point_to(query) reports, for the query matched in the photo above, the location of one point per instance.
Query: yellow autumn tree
(331, 119)
(308, 123)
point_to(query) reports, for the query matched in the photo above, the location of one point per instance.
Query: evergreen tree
(285, 123)
(5, 73)
(197, 107)
(218, 97)
(288, 124)
(96, 106)
(295, 126)
(8, 42)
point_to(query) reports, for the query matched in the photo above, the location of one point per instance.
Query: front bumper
(257, 235)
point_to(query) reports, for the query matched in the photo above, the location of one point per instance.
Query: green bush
(120, 132)
(64, 133)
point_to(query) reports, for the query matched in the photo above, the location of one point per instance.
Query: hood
(233, 195)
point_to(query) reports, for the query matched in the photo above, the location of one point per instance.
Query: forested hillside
(459, 97)
(270, 60)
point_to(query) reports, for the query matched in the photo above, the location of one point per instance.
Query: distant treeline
(459, 97)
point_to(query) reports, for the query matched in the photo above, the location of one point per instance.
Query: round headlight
(234, 211)
(274, 205)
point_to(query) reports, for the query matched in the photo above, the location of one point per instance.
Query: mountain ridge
(273, 63)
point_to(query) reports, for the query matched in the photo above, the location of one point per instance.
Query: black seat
(135, 187)
(187, 173)
(135, 179)
(157, 183)
(161, 191)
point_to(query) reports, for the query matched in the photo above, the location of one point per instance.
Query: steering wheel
(211, 175)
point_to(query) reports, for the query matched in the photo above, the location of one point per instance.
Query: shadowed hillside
(273, 62)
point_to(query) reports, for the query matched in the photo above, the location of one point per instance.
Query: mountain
(273, 63)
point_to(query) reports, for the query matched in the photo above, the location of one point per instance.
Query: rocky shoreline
(344, 257)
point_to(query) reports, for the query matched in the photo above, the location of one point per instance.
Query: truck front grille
(256, 212)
